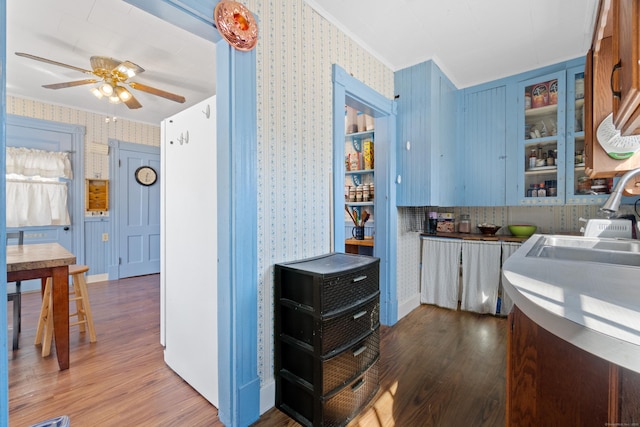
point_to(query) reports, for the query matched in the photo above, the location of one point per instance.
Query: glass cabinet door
(542, 140)
(580, 188)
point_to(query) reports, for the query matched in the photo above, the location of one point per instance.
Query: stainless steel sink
(587, 249)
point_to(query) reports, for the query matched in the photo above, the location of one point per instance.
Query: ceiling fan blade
(132, 103)
(157, 92)
(135, 67)
(49, 61)
(70, 84)
(103, 63)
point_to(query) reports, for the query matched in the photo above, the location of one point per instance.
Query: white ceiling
(71, 31)
(472, 41)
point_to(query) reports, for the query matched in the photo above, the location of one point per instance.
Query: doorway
(351, 92)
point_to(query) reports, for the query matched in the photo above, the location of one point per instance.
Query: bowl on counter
(488, 229)
(522, 230)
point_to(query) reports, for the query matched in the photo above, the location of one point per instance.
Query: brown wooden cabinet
(551, 382)
(626, 71)
(610, 40)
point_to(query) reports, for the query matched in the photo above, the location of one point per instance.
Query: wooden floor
(438, 368)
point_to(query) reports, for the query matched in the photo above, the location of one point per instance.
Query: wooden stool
(80, 294)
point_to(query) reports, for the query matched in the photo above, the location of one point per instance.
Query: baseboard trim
(97, 278)
(267, 396)
(407, 306)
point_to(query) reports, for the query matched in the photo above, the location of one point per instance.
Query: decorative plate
(236, 24)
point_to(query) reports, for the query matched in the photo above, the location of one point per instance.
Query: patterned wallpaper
(99, 129)
(296, 51)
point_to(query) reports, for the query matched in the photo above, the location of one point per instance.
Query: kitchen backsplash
(548, 219)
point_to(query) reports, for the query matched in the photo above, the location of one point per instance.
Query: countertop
(594, 306)
(365, 242)
(477, 236)
(35, 256)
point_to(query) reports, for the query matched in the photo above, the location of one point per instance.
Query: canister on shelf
(351, 120)
(371, 191)
(539, 95)
(367, 148)
(580, 86)
(365, 192)
(352, 194)
(359, 193)
(361, 122)
(432, 223)
(465, 224)
(553, 92)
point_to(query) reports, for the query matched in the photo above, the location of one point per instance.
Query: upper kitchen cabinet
(541, 140)
(612, 82)
(483, 145)
(426, 136)
(580, 188)
(626, 71)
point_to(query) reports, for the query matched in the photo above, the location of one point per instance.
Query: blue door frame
(349, 90)
(239, 383)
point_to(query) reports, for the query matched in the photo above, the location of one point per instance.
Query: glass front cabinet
(541, 129)
(580, 188)
(551, 142)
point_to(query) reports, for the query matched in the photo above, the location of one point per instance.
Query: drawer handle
(358, 279)
(357, 385)
(615, 93)
(359, 351)
(359, 315)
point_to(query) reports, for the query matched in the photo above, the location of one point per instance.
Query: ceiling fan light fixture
(123, 94)
(114, 99)
(127, 71)
(96, 92)
(106, 89)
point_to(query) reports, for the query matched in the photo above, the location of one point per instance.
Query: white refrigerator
(188, 267)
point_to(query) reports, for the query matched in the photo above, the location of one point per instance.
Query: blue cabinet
(580, 189)
(541, 161)
(426, 137)
(483, 146)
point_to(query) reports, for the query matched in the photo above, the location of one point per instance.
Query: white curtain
(35, 194)
(46, 164)
(480, 275)
(36, 203)
(440, 266)
(508, 248)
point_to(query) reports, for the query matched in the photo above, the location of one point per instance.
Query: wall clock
(146, 175)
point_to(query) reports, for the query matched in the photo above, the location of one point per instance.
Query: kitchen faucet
(612, 204)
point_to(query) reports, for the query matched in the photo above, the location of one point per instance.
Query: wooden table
(39, 261)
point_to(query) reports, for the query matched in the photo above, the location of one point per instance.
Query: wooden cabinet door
(550, 382)
(626, 74)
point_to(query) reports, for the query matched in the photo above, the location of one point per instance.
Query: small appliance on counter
(614, 228)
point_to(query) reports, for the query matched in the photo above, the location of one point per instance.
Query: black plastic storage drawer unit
(327, 338)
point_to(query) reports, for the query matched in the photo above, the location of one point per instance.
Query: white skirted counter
(465, 268)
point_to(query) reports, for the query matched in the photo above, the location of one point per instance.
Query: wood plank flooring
(438, 368)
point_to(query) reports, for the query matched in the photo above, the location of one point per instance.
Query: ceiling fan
(110, 75)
